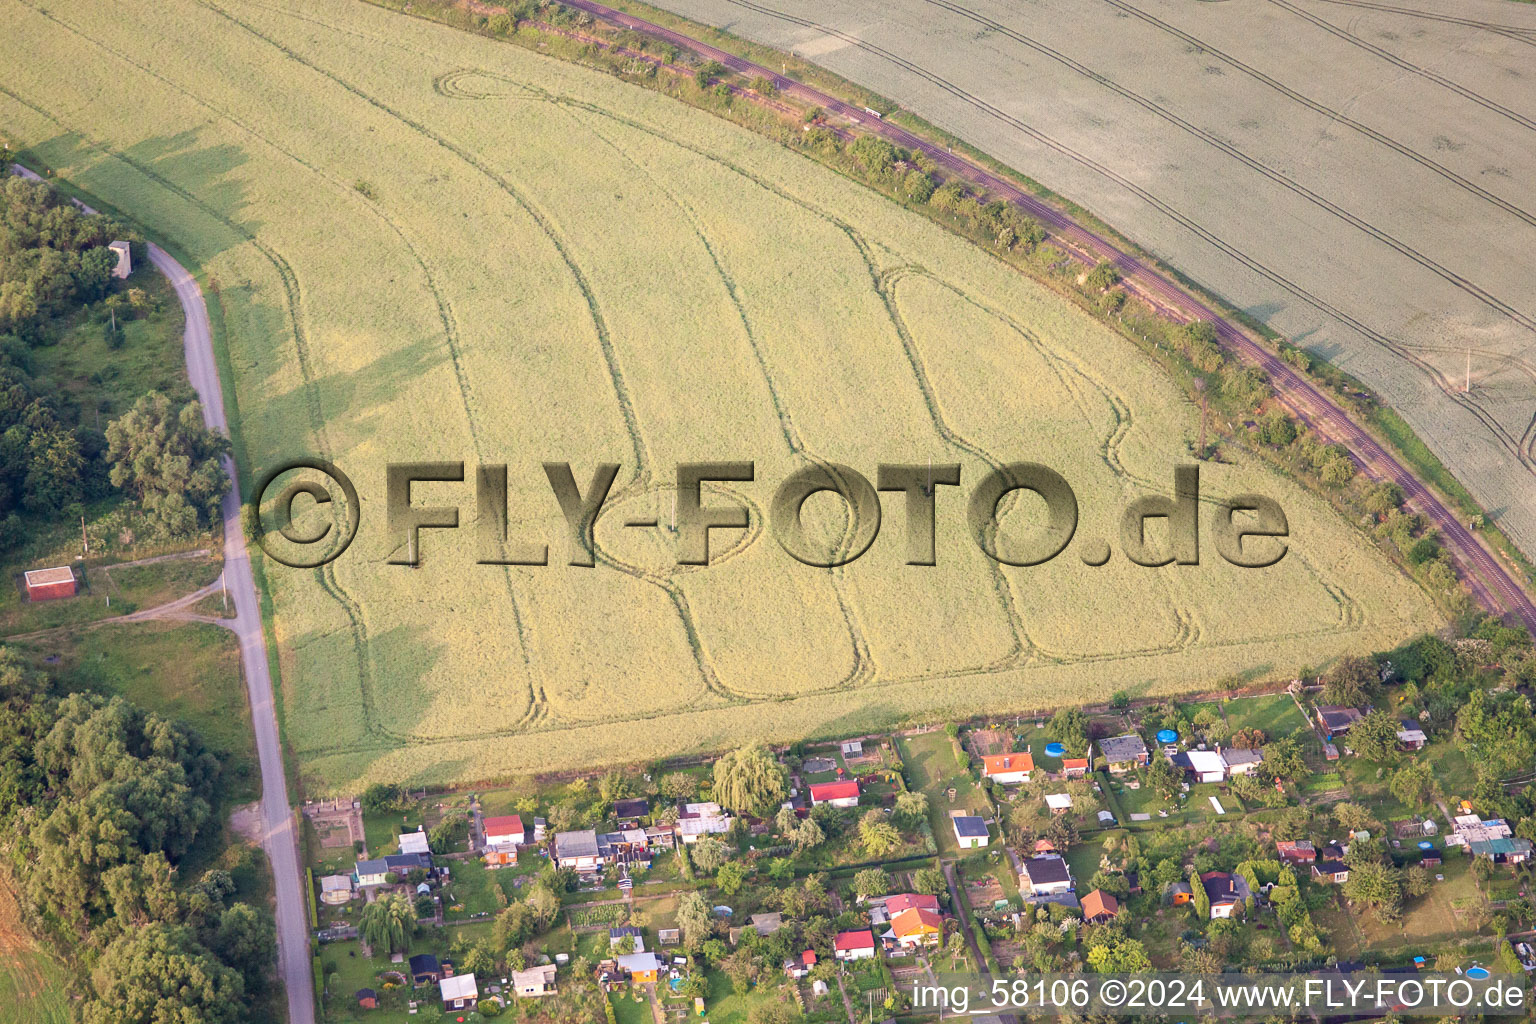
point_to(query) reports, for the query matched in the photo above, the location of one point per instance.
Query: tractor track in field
(1494, 587)
(1515, 32)
(1519, 447)
(1406, 65)
(1333, 115)
(449, 85)
(326, 574)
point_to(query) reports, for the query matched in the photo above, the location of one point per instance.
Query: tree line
(102, 804)
(53, 263)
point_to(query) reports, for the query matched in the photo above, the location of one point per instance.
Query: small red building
(47, 584)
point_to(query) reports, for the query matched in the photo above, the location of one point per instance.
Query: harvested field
(432, 246)
(1361, 177)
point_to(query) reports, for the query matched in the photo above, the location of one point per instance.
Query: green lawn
(186, 671)
(931, 768)
(1437, 917)
(1275, 715)
(33, 985)
(631, 1007)
(107, 591)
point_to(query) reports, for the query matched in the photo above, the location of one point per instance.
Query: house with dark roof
(1410, 735)
(1336, 719)
(1124, 753)
(1221, 890)
(404, 863)
(766, 924)
(1502, 850)
(1039, 876)
(424, 969)
(577, 851)
(1333, 872)
(632, 809)
(616, 936)
(970, 831)
(1240, 760)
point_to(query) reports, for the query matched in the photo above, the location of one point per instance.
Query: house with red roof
(798, 967)
(1008, 769)
(1296, 851)
(908, 900)
(1075, 767)
(503, 835)
(838, 794)
(854, 945)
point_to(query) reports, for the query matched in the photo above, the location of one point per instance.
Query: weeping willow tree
(388, 923)
(749, 781)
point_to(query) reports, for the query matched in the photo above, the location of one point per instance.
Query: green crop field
(425, 245)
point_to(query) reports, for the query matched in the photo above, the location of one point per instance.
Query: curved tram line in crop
(459, 85)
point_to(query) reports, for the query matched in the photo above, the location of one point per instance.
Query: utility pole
(224, 590)
(85, 542)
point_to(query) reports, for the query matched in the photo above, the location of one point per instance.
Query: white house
(1041, 876)
(970, 831)
(1206, 765)
(370, 872)
(838, 794)
(708, 821)
(535, 981)
(459, 992)
(1059, 803)
(1241, 760)
(414, 842)
(1008, 769)
(858, 945)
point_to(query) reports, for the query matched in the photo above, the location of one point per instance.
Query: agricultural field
(424, 245)
(33, 985)
(1361, 177)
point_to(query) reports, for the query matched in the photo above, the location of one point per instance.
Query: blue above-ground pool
(1167, 736)
(1478, 973)
(1054, 750)
(1425, 844)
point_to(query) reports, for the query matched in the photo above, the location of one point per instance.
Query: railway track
(1493, 586)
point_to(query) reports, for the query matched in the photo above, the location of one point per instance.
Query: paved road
(1492, 585)
(279, 837)
(278, 830)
